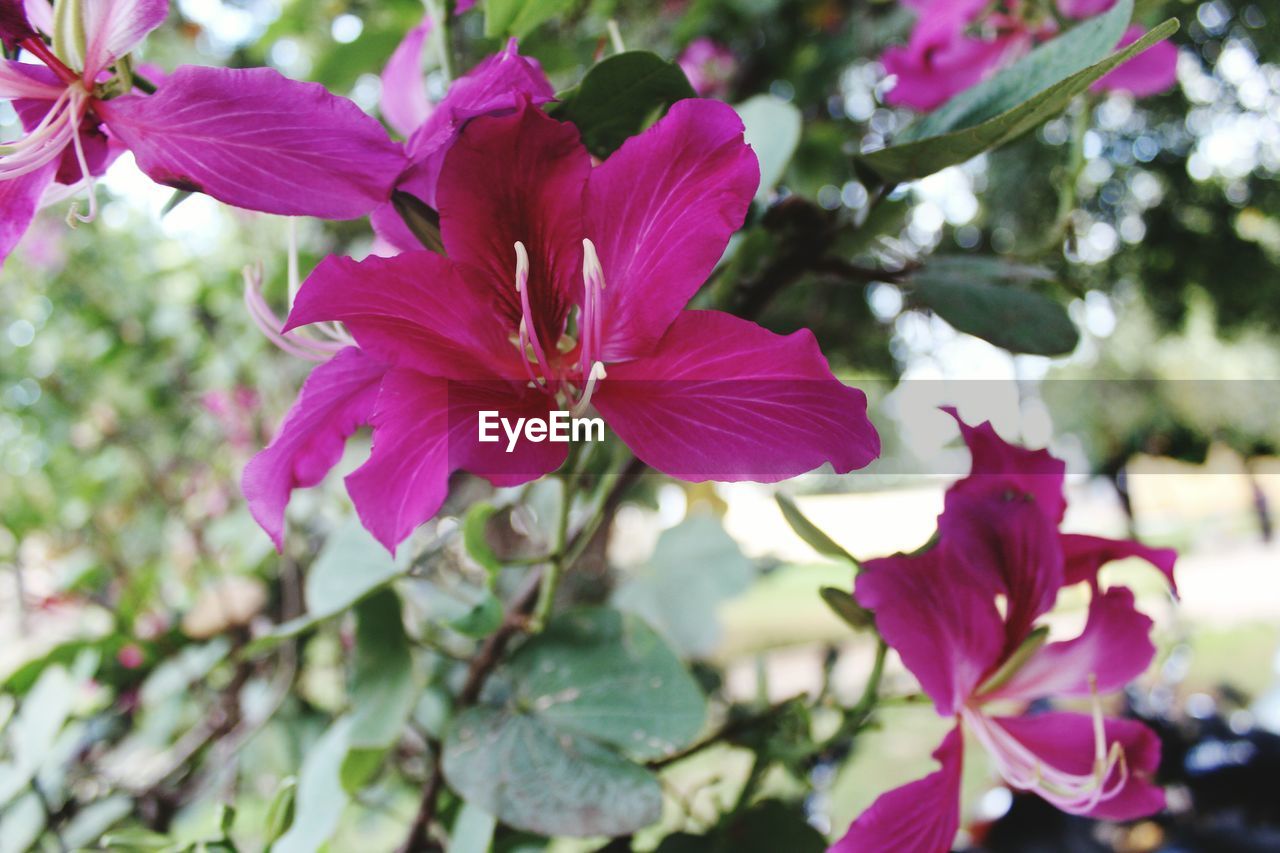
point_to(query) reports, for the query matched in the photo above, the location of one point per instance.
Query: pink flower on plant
(248, 137)
(709, 65)
(962, 616)
(957, 44)
(564, 288)
(942, 58)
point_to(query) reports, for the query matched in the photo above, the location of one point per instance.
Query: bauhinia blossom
(957, 44)
(709, 65)
(248, 137)
(963, 615)
(564, 287)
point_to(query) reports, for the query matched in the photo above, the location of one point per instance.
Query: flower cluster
(962, 615)
(956, 44)
(563, 286)
(251, 138)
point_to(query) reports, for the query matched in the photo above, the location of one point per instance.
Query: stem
(555, 568)
(440, 17)
(615, 36)
(1073, 169)
(870, 693)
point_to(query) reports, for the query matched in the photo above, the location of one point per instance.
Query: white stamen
(597, 373)
(77, 115)
(522, 267)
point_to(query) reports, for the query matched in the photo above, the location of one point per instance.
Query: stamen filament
(528, 329)
(597, 373)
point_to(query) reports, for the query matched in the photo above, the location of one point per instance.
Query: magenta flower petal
(1149, 73)
(114, 28)
(336, 399)
(512, 400)
(514, 178)
(946, 630)
(724, 399)
(660, 211)
(1113, 649)
(1084, 8)
(499, 84)
(404, 102)
(999, 467)
(414, 310)
(19, 201)
(1061, 743)
(1086, 555)
(24, 80)
(258, 140)
(407, 475)
(921, 817)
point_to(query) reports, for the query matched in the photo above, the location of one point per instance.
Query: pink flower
(942, 58)
(564, 287)
(709, 65)
(496, 86)
(248, 137)
(962, 617)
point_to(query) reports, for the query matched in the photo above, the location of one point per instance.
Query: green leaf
(472, 830)
(773, 131)
(34, 730)
(810, 533)
(383, 688)
(320, 798)
(503, 18)
(482, 619)
(351, 566)
(420, 218)
(1016, 100)
(180, 671)
(475, 537)
(136, 839)
(696, 566)
(620, 96)
(545, 752)
(980, 297)
(842, 604)
(767, 826)
(280, 810)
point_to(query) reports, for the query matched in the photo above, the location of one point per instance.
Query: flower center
(574, 392)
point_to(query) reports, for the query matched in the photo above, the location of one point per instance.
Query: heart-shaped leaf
(619, 97)
(548, 750)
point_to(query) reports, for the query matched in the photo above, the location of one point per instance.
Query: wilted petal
(1058, 747)
(1149, 73)
(660, 211)
(1085, 555)
(113, 28)
(1000, 467)
(413, 310)
(1113, 649)
(725, 399)
(336, 399)
(946, 630)
(921, 817)
(258, 140)
(518, 178)
(404, 101)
